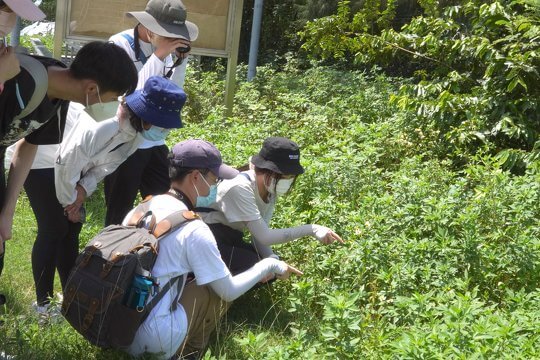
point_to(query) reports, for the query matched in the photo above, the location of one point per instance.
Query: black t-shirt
(45, 125)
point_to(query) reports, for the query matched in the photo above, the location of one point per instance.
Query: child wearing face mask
(163, 31)
(96, 143)
(247, 203)
(99, 68)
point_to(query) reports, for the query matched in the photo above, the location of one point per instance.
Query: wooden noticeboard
(218, 22)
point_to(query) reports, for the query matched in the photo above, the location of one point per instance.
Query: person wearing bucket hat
(34, 112)
(195, 167)
(162, 31)
(94, 149)
(246, 203)
(23, 8)
(89, 153)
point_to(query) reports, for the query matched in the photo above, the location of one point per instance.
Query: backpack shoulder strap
(41, 79)
(173, 222)
(155, 300)
(138, 52)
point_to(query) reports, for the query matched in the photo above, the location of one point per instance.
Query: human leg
(67, 251)
(52, 227)
(122, 186)
(204, 308)
(2, 197)
(155, 179)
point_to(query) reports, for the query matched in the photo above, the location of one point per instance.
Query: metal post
(16, 33)
(255, 35)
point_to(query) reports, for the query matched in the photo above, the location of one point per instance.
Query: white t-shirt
(238, 201)
(191, 248)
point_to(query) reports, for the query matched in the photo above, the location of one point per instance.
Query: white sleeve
(74, 154)
(153, 67)
(264, 236)
(230, 287)
(95, 174)
(179, 73)
(71, 157)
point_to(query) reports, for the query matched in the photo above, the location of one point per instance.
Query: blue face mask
(206, 201)
(155, 133)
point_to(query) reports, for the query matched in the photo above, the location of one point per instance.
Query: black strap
(178, 61)
(181, 285)
(148, 308)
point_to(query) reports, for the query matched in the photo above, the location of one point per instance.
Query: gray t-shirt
(238, 201)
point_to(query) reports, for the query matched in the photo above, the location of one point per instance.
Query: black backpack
(105, 298)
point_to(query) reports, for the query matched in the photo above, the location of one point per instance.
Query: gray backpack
(105, 298)
(41, 80)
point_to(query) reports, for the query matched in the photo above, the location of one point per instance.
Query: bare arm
(22, 160)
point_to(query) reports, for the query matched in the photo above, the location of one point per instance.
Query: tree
(474, 65)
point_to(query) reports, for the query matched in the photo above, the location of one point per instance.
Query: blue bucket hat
(158, 103)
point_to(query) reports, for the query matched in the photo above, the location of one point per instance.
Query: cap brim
(26, 9)
(293, 169)
(188, 31)
(225, 172)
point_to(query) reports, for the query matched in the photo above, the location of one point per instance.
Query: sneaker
(4, 356)
(41, 310)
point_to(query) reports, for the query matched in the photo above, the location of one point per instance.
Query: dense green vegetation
(437, 263)
(473, 69)
(442, 252)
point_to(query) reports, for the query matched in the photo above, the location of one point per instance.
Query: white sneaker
(4, 356)
(42, 310)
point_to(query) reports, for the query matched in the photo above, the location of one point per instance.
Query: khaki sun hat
(167, 18)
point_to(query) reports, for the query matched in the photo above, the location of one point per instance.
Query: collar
(179, 195)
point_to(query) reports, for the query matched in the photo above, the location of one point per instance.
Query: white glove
(325, 235)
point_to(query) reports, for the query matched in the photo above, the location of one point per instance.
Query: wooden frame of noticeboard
(218, 21)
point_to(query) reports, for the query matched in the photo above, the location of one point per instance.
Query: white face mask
(283, 186)
(101, 111)
(7, 22)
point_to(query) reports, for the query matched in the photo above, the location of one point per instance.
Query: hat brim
(225, 171)
(148, 112)
(26, 9)
(188, 31)
(289, 169)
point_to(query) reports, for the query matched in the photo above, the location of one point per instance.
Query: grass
(439, 262)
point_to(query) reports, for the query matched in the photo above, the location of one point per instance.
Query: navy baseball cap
(158, 103)
(200, 154)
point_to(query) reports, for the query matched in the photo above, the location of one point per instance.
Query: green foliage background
(473, 67)
(406, 138)
(437, 262)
